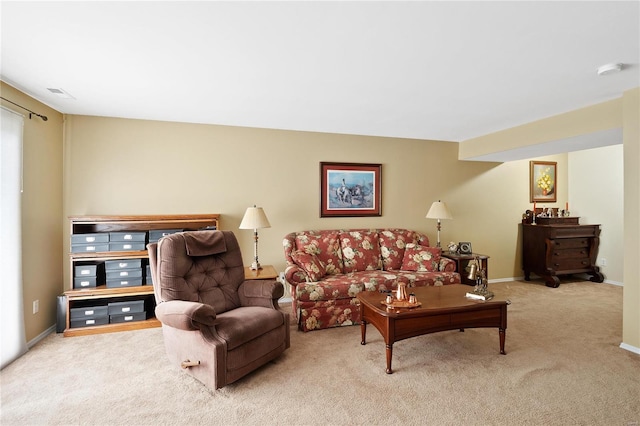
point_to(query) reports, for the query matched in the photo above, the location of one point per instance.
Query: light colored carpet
(563, 367)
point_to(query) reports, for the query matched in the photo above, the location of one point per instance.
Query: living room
(77, 164)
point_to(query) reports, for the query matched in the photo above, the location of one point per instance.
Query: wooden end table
(267, 272)
(462, 260)
(443, 308)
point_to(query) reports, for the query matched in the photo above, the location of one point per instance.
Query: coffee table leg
(389, 353)
(363, 331)
(503, 333)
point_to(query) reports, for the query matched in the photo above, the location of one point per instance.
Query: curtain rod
(44, 117)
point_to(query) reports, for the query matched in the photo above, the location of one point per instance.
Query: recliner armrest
(260, 292)
(185, 315)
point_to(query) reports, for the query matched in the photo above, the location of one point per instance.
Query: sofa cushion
(422, 279)
(313, 266)
(246, 323)
(360, 251)
(345, 286)
(421, 259)
(325, 245)
(392, 244)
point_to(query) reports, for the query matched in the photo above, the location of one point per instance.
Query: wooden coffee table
(443, 308)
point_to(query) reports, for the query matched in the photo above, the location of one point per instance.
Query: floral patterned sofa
(328, 268)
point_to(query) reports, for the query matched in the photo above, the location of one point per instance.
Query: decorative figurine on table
(453, 247)
(402, 292)
(479, 274)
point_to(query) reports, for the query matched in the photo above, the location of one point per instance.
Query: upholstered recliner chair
(216, 325)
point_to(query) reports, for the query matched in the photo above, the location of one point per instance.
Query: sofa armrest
(185, 315)
(260, 293)
(447, 265)
(295, 275)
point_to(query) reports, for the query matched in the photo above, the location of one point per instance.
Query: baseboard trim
(630, 348)
(582, 276)
(31, 343)
(504, 280)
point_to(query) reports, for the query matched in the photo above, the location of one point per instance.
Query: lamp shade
(439, 210)
(254, 218)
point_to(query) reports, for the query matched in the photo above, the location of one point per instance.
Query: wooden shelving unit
(101, 295)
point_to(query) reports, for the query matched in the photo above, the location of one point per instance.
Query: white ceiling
(427, 70)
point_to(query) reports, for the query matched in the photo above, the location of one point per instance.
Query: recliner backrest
(200, 266)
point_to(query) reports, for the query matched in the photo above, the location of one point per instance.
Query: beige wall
(596, 194)
(120, 166)
(42, 220)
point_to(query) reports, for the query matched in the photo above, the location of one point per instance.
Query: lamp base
(255, 266)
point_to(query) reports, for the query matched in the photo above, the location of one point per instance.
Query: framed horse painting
(350, 189)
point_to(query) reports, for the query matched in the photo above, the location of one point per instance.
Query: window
(13, 342)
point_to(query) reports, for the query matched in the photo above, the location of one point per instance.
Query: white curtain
(12, 339)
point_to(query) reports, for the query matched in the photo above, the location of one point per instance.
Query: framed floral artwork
(350, 189)
(542, 181)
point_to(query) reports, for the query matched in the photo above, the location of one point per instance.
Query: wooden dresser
(560, 246)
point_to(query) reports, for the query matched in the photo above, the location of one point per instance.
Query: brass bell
(473, 271)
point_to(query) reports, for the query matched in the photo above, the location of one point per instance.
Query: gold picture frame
(543, 181)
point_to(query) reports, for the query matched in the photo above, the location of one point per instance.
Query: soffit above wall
(576, 143)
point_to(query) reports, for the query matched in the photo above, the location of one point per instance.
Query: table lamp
(254, 218)
(439, 211)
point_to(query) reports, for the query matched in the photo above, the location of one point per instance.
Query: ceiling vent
(59, 92)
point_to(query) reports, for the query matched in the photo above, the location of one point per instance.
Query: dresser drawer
(573, 231)
(567, 243)
(577, 253)
(570, 264)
